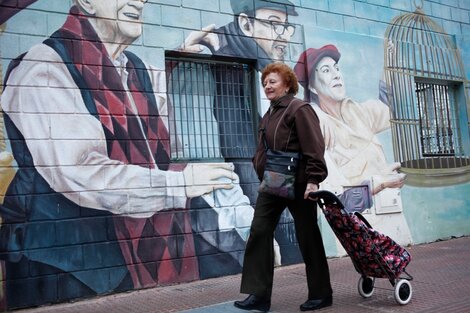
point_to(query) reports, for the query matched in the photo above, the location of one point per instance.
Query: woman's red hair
(285, 72)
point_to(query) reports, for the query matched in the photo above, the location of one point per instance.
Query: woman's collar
(281, 100)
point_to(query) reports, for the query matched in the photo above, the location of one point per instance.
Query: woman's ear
(245, 25)
(86, 6)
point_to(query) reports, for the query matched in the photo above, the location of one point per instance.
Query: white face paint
(328, 81)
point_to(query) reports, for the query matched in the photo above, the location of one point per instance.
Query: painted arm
(69, 149)
(197, 40)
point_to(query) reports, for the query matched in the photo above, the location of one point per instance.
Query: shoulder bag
(280, 170)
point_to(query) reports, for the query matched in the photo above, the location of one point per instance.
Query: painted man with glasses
(260, 31)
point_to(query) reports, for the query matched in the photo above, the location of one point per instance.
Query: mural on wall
(92, 199)
(428, 53)
(88, 127)
(426, 72)
(358, 166)
(259, 31)
(266, 39)
(349, 127)
(430, 122)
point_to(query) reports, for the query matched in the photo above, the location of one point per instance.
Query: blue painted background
(355, 27)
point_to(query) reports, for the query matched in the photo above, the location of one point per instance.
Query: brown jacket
(292, 125)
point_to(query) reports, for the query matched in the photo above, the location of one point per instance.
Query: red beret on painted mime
(308, 60)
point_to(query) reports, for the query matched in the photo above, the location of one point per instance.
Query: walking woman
(289, 125)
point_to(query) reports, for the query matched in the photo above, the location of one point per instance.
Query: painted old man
(87, 123)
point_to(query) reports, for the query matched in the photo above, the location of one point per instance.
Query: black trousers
(258, 264)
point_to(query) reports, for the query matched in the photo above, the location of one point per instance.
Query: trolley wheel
(365, 286)
(403, 291)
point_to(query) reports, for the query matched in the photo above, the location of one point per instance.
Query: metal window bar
(213, 113)
(437, 121)
(425, 72)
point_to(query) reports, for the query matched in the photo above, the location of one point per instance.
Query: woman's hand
(311, 187)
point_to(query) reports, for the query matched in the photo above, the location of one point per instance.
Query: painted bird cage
(429, 118)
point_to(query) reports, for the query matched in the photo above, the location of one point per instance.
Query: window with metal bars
(437, 119)
(213, 113)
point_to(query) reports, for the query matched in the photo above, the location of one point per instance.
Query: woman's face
(328, 81)
(274, 86)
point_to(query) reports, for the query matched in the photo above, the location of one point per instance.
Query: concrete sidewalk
(441, 283)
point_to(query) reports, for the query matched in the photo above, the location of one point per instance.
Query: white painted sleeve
(68, 145)
(379, 115)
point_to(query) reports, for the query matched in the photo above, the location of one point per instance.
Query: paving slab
(441, 272)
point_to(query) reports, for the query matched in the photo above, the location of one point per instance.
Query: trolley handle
(325, 198)
(363, 219)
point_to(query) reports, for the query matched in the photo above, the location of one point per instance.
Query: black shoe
(254, 303)
(316, 304)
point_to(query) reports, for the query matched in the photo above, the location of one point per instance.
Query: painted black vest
(42, 225)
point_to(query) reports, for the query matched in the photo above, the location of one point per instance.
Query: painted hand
(395, 180)
(202, 178)
(197, 40)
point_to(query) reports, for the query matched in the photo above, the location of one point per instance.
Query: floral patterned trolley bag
(373, 254)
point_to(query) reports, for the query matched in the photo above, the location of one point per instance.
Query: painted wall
(91, 203)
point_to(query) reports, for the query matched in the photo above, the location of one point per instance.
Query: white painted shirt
(68, 144)
(353, 151)
(69, 150)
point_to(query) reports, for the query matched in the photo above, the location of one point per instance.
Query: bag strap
(263, 135)
(281, 119)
